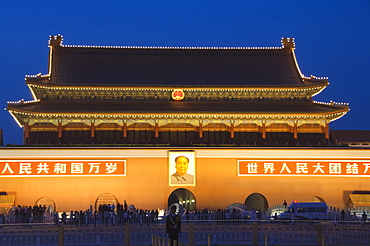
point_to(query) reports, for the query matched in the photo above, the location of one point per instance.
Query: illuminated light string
(22, 101)
(300, 72)
(253, 90)
(38, 76)
(332, 103)
(315, 77)
(168, 89)
(77, 116)
(60, 39)
(169, 47)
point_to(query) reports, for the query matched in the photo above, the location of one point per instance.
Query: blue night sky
(332, 39)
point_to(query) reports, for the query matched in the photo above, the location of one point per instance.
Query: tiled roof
(175, 67)
(360, 199)
(351, 136)
(212, 107)
(7, 199)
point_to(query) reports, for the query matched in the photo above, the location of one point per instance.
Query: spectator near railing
(107, 216)
(359, 211)
(27, 215)
(142, 217)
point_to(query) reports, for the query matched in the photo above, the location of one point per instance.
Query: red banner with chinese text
(355, 168)
(42, 168)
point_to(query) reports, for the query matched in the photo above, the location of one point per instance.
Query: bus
(306, 211)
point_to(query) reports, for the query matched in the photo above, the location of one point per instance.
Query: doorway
(183, 197)
(105, 199)
(256, 201)
(48, 203)
(316, 199)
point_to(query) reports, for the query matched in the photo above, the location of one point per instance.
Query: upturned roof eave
(319, 83)
(338, 109)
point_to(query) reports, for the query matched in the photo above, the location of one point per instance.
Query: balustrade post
(126, 235)
(322, 240)
(320, 236)
(156, 240)
(191, 234)
(61, 235)
(255, 234)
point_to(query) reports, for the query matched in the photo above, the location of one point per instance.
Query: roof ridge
(58, 41)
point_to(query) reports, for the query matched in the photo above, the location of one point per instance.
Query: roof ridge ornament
(56, 40)
(288, 43)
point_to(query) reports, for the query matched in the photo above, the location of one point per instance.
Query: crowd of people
(122, 214)
(27, 214)
(109, 214)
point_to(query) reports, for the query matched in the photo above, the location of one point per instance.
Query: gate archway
(256, 201)
(316, 199)
(107, 199)
(184, 197)
(47, 202)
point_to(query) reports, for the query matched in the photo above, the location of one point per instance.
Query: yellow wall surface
(146, 184)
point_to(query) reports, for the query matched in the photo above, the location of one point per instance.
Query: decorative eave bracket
(288, 43)
(56, 40)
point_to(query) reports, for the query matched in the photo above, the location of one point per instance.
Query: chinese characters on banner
(355, 168)
(42, 168)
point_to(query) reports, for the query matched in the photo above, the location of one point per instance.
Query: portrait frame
(191, 171)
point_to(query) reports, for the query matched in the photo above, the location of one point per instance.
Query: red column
(232, 134)
(200, 130)
(327, 131)
(295, 133)
(263, 130)
(26, 130)
(156, 129)
(92, 130)
(60, 130)
(124, 130)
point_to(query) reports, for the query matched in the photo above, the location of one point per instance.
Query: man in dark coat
(173, 226)
(364, 218)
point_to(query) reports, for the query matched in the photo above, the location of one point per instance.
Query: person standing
(173, 226)
(364, 218)
(342, 216)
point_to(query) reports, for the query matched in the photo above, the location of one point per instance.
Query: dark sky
(332, 39)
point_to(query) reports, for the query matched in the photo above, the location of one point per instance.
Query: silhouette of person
(173, 226)
(285, 204)
(181, 176)
(364, 218)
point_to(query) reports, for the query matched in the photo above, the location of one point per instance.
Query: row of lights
(315, 78)
(176, 116)
(52, 38)
(337, 116)
(332, 103)
(170, 89)
(38, 76)
(187, 201)
(22, 101)
(169, 47)
(99, 88)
